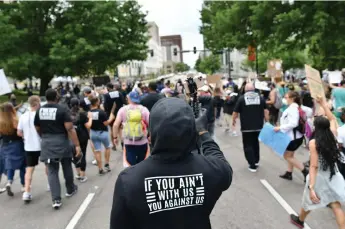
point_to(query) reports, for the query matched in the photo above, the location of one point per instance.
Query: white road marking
(280, 200)
(80, 211)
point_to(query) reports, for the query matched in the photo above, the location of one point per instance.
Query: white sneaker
(83, 179)
(2, 190)
(77, 177)
(27, 197)
(94, 162)
(22, 189)
(234, 134)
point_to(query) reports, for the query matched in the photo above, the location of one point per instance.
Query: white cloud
(177, 17)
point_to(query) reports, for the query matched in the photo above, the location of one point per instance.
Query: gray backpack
(278, 103)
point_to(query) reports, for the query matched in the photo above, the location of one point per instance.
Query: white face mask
(284, 101)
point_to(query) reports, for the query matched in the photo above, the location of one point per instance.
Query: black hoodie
(173, 188)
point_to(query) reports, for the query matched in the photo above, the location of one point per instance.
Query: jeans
(10, 175)
(98, 138)
(53, 176)
(135, 153)
(251, 147)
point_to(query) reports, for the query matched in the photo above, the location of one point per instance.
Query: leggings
(81, 162)
(10, 175)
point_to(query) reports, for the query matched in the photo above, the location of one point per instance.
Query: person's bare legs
(107, 156)
(339, 214)
(292, 161)
(98, 157)
(303, 215)
(28, 178)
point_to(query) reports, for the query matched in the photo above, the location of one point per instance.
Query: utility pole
(229, 61)
(257, 61)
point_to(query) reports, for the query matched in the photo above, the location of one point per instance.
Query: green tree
(44, 39)
(208, 65)
(181, 67)
(274, 27)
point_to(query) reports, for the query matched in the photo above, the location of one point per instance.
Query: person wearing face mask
(290, 125)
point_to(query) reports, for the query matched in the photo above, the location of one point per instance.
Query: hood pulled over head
(172, 129)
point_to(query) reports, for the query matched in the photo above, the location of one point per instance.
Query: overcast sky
(177, 17)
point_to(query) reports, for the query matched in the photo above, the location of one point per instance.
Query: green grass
(21, 96)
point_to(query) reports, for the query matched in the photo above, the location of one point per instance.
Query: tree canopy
(181, 67)
(208, 65)
(44, 39)
(315, 29)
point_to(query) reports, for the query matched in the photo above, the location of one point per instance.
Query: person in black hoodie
(173, 188)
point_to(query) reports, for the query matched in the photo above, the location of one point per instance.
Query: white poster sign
(334, 77)
(4, 86)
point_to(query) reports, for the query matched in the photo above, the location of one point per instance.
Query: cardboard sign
(4, 85)
(314, 82)
(275, 68)
(213, 79)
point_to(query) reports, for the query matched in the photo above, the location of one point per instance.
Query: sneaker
(9, 190)
(2, 190)
(83, 179)
(107, 168)
(286, 176)
(101, 172)
(257, 164)
(73, 193)
(94, 162)
(77, 177)
(114, 148)
(22, 189)
(234, 134)
(295, 220)
(252, 169)
(226, 130)
(27, 197)
(57, 204)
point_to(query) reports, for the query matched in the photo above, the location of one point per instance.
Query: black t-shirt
(51, 119)
(79, 120)
(149, 100)
(251, 108)
(85, 104)
(98, 117)
(207, 102)
(111, 98)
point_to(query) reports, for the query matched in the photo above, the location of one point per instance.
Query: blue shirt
(339, 97)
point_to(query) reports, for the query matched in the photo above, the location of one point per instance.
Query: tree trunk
(45, 80)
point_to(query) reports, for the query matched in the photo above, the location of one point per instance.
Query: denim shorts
(98, 138)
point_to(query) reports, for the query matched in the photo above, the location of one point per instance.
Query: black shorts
(295, 144)
(32, 158)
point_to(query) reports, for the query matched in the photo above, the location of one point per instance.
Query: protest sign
(314, 82)
(334, 77)
(277, 141)
(213, 79)
(274, 68)
(4, 85)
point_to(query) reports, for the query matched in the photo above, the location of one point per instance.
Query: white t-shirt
(32, 141)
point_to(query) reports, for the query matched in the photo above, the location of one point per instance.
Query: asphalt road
(247, 204)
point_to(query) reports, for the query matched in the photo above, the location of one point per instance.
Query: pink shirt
(145, 116)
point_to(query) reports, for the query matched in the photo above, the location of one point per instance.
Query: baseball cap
(134, 97)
